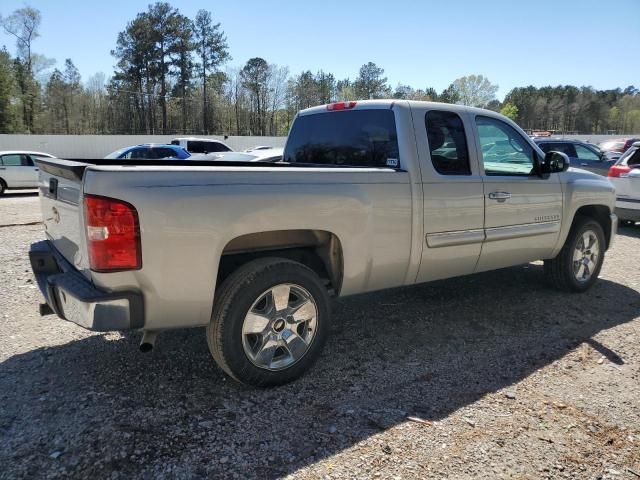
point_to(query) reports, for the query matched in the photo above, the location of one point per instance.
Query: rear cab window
(355, 138)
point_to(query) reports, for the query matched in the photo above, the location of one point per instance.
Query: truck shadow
(424, 351)
(632, 231)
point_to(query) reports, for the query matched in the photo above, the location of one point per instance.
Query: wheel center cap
(278, 325)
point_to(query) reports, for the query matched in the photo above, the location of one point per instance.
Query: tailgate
(61, 204)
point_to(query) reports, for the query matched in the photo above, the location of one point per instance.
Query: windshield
(117, 153)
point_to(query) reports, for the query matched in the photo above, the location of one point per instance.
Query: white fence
(97, 146)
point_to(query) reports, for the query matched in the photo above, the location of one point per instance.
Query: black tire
(560, 270)
(233, 301)
(3, 186)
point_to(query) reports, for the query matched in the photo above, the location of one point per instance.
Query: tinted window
(175, 142)
(634, 158)
(363, 138)
(546, 147)
(164, 153)
(584, 153)
(447, 143)
(504, 150)
(143, 153)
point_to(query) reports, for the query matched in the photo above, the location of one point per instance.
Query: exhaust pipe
(148, 341)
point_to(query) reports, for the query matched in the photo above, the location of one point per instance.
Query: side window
(546, 147)
(504, 150)
(566, 148)
(163, 153)
(634, 159)
(12, 160)
(196, 147)
(447, 143)
(213, 147)
(584, 153)
(28, 161)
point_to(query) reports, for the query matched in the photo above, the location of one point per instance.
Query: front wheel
(269, 323)
(577, 266)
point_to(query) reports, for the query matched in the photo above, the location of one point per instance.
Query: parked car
(581, 154)
(18, 170)
(625, 176)
(201, 145)
(268, 155)
(368, 197)
(150, 151)
(619, 145)
(258, 147)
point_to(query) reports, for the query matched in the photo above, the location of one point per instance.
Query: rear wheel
(3, 186)
(577, 266)
(270, 321)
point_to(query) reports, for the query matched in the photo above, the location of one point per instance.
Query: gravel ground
(489, 376)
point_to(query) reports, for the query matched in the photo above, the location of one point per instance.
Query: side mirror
(555, 162)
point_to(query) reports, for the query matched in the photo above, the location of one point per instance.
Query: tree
(23, 24)
(450, 94)
(254, 78)
(474, 90)
(509, 110)
(212, 48)
(184, 47)
(370, 82)
(7, 85)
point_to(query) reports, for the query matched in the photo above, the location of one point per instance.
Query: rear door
(522, 210)
(452, 193)
(628, 184)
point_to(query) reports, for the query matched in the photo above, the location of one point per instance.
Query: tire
(561, 271)
(3, 186)
(252, 299)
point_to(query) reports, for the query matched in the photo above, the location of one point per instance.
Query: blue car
(581, 154)
(151, 151)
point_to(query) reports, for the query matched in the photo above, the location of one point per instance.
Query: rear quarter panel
(187, 217)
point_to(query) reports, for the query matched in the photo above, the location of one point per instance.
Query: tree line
(173, 76)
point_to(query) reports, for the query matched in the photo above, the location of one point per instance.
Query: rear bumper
(72, 297)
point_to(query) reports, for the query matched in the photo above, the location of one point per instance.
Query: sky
(422, 43)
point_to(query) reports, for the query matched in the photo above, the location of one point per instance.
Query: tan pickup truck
(369, 195)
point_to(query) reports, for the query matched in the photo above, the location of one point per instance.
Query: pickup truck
(370, 195)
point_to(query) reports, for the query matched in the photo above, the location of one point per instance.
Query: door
(522, 210)
(452, 194)
(19, 171)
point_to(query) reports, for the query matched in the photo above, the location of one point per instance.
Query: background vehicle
(201, 145)
(264, 155)
(581, 154)
(620, 145)
(625, 176)
(151, 151)
(18, 170)
(370, 195)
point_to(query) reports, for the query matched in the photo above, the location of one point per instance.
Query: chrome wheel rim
(279, 327)
(585, 256)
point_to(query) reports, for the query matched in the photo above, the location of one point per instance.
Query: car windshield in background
(361, 138)
(117, 153)
(611, 145)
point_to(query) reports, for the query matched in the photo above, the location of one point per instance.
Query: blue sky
(421, 43)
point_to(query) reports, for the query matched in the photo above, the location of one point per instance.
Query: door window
(164, 153)
(587, 154)
(504, 150)
(16, 160)
(447, 143)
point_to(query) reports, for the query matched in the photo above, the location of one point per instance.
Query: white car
(269, 155)
(625, 176)
(201, 145)
(18, 170)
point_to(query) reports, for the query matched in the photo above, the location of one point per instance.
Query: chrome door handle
(500, 196)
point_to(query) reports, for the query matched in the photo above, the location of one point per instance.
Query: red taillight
(618, 170)
(113, 234)
(340, 106)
